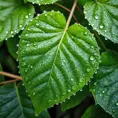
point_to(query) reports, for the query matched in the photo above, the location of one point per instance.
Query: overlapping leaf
(105, 86)
(15, 103)
(95, 111)
(55, 62)
(75, 99)
(103, 17)
(14, 15)
(41, 2)
(1, 77)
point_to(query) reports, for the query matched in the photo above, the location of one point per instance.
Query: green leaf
(15, 103)
(95, 111)
(75, 99)
(105, 87)
(43, 2)
(55, 62)
(81, 2)
(12, 46)
(103, 17)
(1, 77)
(14, 16)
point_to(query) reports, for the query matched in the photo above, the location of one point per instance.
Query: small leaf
(15, 103)
(55, 62)
(105, 87)
(14, 16)
(95, 111)
(75, 99)
(12, 45)
(1, 77)
(103, 17)
(41, 2)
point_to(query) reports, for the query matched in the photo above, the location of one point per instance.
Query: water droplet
(6, 32)
(103, 91)
(37, 24)
(26, 34)
(69, 90)
(71, 79)
(34, 94)
(20, 26)
(88, 70)
(12, 32)
(91, 58)
(74, 94)
(85, 33)
(81, 90)
(49, 101)
(26, 78)
(25, 70)
(73, 88)
(24, 63)
(117, 104)
(27, 45)
(45, 14)
(96, 17)
(26, 16)
(95, 83)
(101, 26)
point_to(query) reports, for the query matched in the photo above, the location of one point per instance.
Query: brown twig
(67, 10)
(10, 75)
(71, 14)
(7, 82)
(79, 9)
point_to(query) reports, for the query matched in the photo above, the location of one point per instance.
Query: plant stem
(7, 82)
(71, 14)
(67, 10)
(79, 9)
(11, 75)
(101, 42)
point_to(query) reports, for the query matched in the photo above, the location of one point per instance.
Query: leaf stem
(11, 75)
(79, 9)
(67, 10)
(71, 14)
(7, 82)
(101, 42)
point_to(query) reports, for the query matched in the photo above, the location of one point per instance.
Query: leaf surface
(15, 103)
(1, 76)
(43, 2)
(75, 99)
(103, 17)
(14, 16)
(105, 86)
(95, 111)
(55, 62)
(12, 45)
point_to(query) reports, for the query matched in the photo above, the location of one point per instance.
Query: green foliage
(15, 103)
(53, 48)
(14, 16)
(103, 17)
(95, 111)
(59, 54)
(1, 77)
(12, 45)
(76, 99)
(40, 2)
(104, 87)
